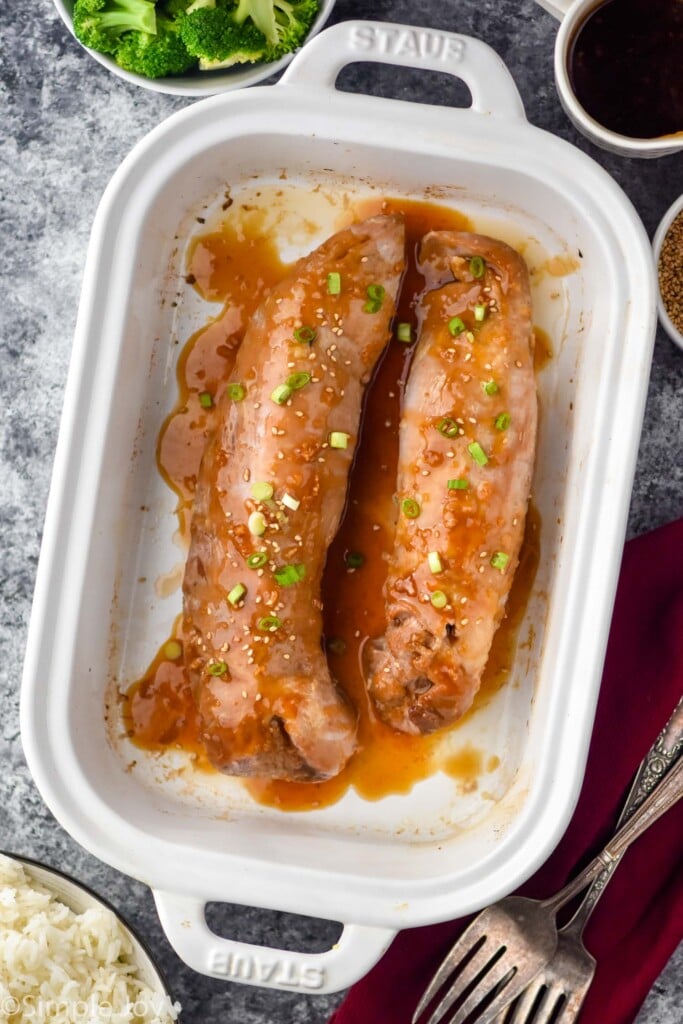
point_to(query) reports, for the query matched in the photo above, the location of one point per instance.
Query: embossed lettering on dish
(278, 972)
(404, 42)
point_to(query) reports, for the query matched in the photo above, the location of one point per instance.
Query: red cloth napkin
(639, 921)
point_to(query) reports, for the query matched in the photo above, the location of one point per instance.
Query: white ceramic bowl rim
(657, 242)
(101, 900)
(572, 14)
(198, 84)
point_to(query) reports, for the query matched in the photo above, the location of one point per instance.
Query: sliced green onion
(477, 453)
(237, 593)
(434, 562)
(217, 668)
(502, 422)
(290, 502)
(333, 283)
(306, 335)
(456, 326)
(375, 293)
(338, 439)
(477, 266)
(172, 650)
(256, 524)
(296, 381)
(458, 484)
(354, 559)
(256, 560)
(288, 575)
(410, 508)
(261, 490)
(336, 645)
(236, 392)
(269, 623)
(438, 599)
(479, 313)
(281, 394)
(206, 400)
(499, 560)
(404, 332)
(490, 387)
(448, 427)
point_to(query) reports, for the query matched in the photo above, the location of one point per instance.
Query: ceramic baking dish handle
(184, 921)
(490, 83)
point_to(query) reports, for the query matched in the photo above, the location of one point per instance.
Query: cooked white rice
(65, 968)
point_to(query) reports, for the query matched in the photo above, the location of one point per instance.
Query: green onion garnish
(404, 332)
(237, 593)
(456, 326)
(269, 623)
(499, 560)
(375, 293)
(333, 283)
(502, 422)
(296, 381)
(281, 394)
(288, 575)
(218, 668)
(236, 392)
(410, 508)
(448, 427)
(256, 524)
(458, 484)
(477, 266)
(206, 400)
(306, 335)
(261, 490)
(290, 502)
(338, 439)
(256, 560)
(438, 599)
(490, 387)
(479, 313)
(434, 562)
(354, 559)
(477, 453)
(172, 650)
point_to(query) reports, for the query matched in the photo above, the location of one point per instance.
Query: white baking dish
(406, 860)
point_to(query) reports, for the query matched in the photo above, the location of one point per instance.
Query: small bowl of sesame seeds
(668, 252)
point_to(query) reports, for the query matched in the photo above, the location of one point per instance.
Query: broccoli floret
(155, 56)
(212, 35)
(99, 24)
(284, 23)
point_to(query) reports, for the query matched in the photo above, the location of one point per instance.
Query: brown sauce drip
(159, 710)
(625, 64)
(543, 349)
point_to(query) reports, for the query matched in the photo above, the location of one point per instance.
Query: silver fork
(557, 993)
(506, 946)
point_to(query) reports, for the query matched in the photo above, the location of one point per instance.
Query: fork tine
(497, 980)
(548, 1005)
(457, 953)
(521, 1013)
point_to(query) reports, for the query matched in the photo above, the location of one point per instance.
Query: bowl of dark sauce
(619, 72)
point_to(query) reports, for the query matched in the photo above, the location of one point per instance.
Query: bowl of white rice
(67, 957)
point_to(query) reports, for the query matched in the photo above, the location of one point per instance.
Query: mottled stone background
(65, 125)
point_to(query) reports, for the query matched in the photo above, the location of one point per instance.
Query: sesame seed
(518, 364)
(463, 622)
(244, 692)
(258, 696)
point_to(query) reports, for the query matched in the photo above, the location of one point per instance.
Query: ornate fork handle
(661, 756)
(664, 795)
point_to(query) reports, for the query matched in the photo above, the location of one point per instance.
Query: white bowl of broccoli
(193, 47)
